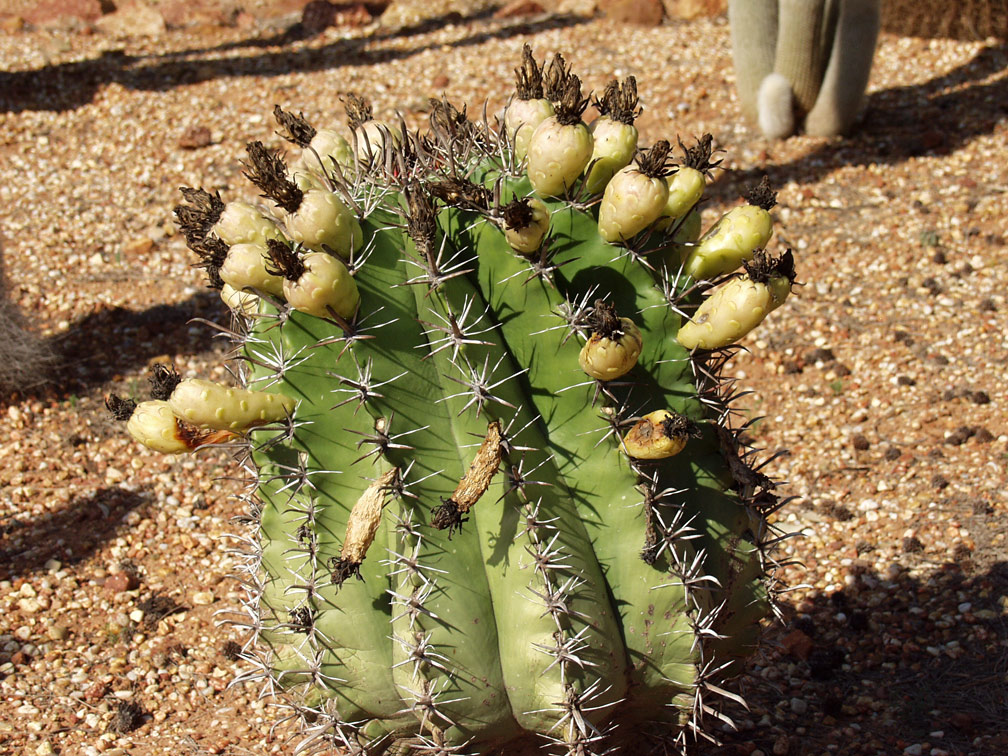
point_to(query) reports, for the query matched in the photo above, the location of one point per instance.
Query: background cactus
(802, 63)
(462, 542)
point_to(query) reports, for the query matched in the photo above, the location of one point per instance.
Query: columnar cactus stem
(803, 62)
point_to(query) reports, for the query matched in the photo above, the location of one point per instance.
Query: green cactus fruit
(247, 267)
(463, 543)
(316, 283)
(636, 196)
(323, 151)
(324, 223)
(370, 137)
(738, 306)
(240, 301)
(614, 137)
(686, 186)
(735, 238)
(613, 347)
(526, 223)
(211, 405)
(528, 108)
(156, 426)
(561, 146)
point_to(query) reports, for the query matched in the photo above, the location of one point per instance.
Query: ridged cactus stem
(846, 77)
(803, 62)
(800, 56)
(754, 44)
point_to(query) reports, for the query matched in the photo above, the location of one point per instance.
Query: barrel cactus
(495, 504)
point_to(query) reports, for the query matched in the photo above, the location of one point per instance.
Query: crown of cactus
(497, 494)
(803, 62)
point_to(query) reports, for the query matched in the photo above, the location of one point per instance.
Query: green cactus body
(803, 62)
(541, 588)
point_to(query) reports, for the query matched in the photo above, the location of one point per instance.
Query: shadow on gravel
(66, 86)
(942, 115)
(69, 535)
(116, 340)
(883, 664)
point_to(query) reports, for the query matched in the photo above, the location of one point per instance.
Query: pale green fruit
(730, 242)
(607, 358)
(528, 239)
(331, 148)
(242, 302)
(325, 283)
(245, 268)
(521, 119)
(304, 179)
(324, 223)
(686, 187)
(614, 146)
(211, 405)
(557, 155)
(155, 426)
(632, 202)
(241, 223)
(732, 311)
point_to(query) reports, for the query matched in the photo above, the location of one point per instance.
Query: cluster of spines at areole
(397, 183)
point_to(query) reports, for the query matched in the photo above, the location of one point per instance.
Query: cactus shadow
(892, 656)
(117, 341)
(932, 118)
(70, 534)
(67, 86)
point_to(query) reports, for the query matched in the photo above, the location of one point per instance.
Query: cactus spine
(803, 62)
(463, 543)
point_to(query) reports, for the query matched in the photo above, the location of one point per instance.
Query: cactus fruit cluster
(498, 498)
(803, 64)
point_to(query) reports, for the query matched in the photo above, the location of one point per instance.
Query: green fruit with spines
(546, 585)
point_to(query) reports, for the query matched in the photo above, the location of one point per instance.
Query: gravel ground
(884, 374)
